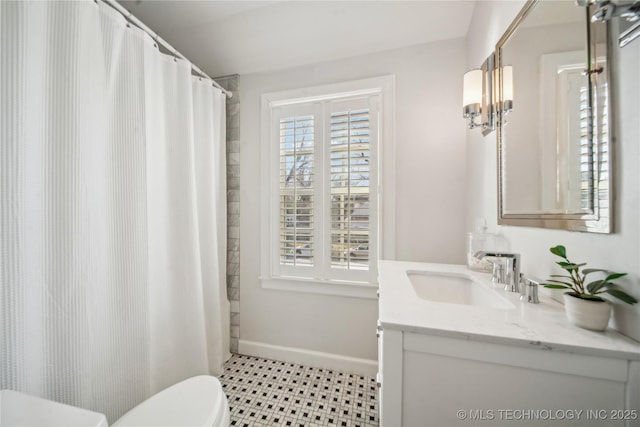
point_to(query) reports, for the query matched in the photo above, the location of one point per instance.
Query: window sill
(323, 287)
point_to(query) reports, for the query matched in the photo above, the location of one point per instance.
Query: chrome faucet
(512, 274)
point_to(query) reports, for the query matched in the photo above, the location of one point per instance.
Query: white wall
(619, 251)
(429, 193)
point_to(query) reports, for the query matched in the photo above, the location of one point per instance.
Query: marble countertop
(543, 326)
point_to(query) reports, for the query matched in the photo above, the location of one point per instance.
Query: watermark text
(547, 414)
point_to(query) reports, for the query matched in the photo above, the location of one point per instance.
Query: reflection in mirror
(629, 31)
(554, 143)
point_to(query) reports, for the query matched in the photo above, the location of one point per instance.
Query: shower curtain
(112, 210)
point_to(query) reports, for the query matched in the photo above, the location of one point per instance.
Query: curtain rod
(135, 21)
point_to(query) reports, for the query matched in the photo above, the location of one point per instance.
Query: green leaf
(621, 295)
(611, 286)
(614, 276)
(559, 282)
(561, 275)
(593, 270)
(558, 276)
(594, 286)
(559, 251)
(570, 266)
(552, 286)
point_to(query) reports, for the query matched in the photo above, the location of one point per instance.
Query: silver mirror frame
(600, 219)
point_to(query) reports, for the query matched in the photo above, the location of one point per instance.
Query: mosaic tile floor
(265, 392)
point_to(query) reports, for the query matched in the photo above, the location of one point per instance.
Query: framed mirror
(554, 151)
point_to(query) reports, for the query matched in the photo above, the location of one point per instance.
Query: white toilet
(194, 402)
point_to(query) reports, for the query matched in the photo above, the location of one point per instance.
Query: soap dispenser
(481, 240)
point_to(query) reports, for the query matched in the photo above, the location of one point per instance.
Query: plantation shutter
(586, 150)
(326, 208)
(297, 185)
(593, 148)
(350, 157)
(601, 143)
(351, 191)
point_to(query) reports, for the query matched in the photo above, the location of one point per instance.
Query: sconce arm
(606, 10)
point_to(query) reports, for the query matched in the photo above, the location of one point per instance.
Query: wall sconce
(472, 96)
(478, 96)
(604, 10)
(487, 95)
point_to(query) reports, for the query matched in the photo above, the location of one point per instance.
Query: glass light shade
(507, 83)
(472, 88)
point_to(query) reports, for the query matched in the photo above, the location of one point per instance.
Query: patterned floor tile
(267, 393)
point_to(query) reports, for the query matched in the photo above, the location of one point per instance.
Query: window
(321, 184)
(326, 218)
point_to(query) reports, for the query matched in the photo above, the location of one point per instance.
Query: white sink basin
(453, 288)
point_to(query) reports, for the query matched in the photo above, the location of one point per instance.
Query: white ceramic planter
(592, 315)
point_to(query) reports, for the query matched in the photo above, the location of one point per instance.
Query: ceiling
(241, 37)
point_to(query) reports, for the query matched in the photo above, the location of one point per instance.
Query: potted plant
(583, 302)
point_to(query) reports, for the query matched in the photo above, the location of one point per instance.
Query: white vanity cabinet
(526, 366)
(429, 380)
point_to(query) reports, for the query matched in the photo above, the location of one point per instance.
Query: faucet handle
(523, 282)
(512, 275)
(497, 277)
(529, 290)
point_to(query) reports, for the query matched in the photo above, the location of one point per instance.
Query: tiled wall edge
(232, 83)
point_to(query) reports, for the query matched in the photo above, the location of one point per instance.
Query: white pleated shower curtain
(112, 210)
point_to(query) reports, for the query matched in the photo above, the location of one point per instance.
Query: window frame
(272, 275)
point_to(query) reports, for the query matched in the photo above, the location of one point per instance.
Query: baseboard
(316, 359)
